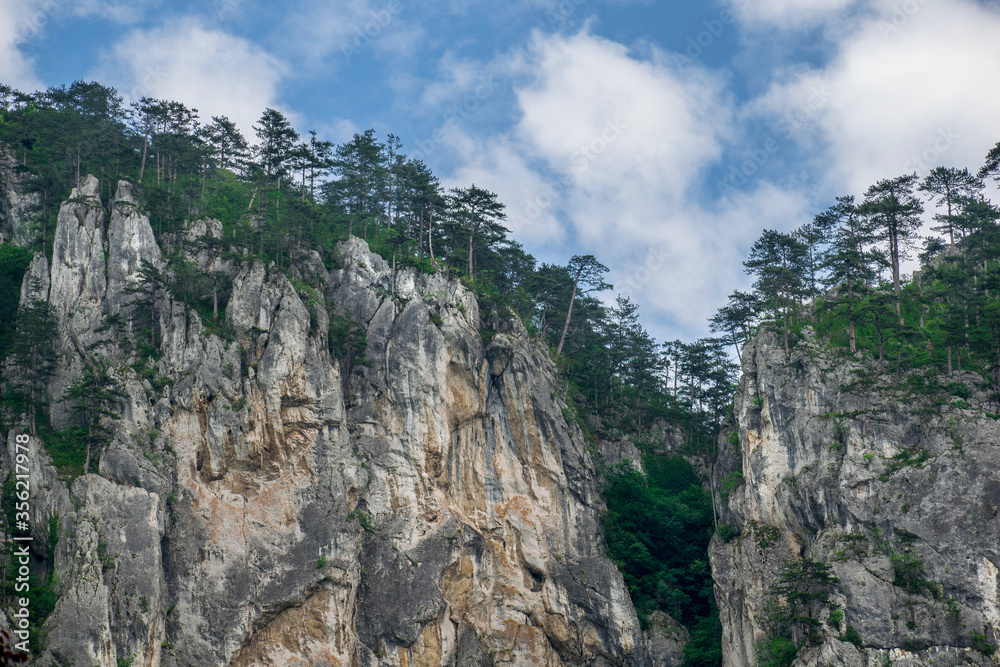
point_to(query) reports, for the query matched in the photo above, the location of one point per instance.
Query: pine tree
(95, 395)
(33, 354)
(359, 163)
(227, 142)
(478, 213)
(894, 212)
(805, 585)
(948, 185)
(852, 260)
(780, 263)
(276, 139)
(588, 276)
(737, 318)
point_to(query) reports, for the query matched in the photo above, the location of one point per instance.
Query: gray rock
(867, 480)
(248, 513)
(16, 206)
(130, 243)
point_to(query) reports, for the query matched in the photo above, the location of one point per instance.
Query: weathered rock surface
(895, 486)
(421, 501)
(16, 206)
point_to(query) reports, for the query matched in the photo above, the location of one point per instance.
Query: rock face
(16, 206)
(895, 483)
(414, 499)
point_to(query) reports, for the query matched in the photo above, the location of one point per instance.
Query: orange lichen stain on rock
(464, 396)
(306, 635)
(523, 508)
(426, 650)
(224, 519)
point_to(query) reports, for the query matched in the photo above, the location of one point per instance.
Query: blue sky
(660, 136)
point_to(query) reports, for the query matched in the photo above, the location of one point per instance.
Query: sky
(660, 136)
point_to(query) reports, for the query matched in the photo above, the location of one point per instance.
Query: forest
(280, 193)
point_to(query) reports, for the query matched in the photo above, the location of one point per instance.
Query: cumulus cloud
(211, 70)
(20, 21)
(787, 13)
(607, 157)
(908, 91)
(341, 32)
(23, 21)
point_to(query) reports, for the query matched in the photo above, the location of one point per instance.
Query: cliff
(892, 482)
(15, 204)
(419, 501)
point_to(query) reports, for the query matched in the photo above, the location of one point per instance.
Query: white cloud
(20, 21)
(685, 263)
(787, 13)
(215, 72)
(331, 33)
(337, 130)
(607, 158)
(906, 92)
(498, 164)
(594, 112)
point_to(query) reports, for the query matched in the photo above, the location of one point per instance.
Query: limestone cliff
(893, 481)
(265, 503)
(16, 206)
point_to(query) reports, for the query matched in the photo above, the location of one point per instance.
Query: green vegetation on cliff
(658, 526)
(280, 196)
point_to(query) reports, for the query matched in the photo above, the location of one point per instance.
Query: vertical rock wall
(895, 487)
(264, 503)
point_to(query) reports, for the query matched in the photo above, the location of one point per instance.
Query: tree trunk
(785, 322)
(420, 235)
(145, 146)
(470, 253)
(569, 313)
(894, 252)
(90, 436)
(430, 232)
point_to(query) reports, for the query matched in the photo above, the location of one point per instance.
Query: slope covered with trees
(278, 194)
(841, 275)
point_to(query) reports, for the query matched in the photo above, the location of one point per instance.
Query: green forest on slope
(278, 194)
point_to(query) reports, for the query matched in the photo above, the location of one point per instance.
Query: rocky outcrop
(892, 481)
(417, 500)
(16, 206)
